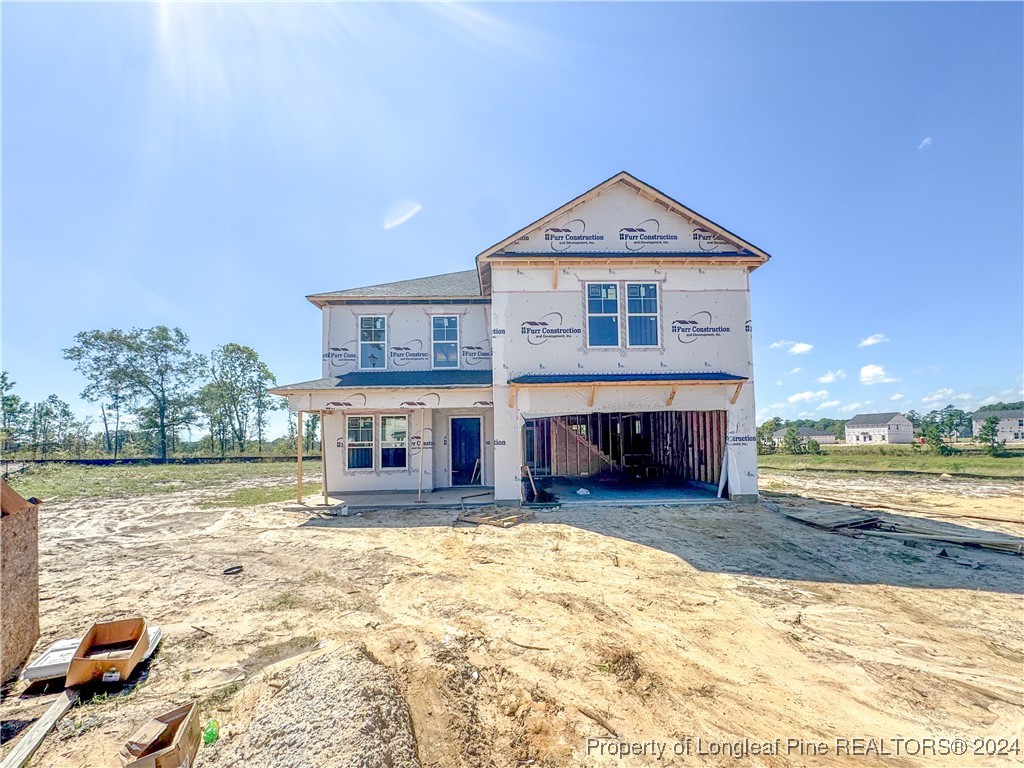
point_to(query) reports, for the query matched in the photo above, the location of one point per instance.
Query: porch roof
(392, 380)
(585, 379)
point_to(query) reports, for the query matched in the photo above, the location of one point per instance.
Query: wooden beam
(323, 456)
(299, 459)
(593, 393)
(672, 394)
(30, 741)
(511, 397)
(664, 383)
(736, 394)
(554, 274)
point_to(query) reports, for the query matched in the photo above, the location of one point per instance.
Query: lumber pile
(851, 520)
(492, 515)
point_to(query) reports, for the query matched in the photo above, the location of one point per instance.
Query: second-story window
(445, 341)
(373, 342)
(602, 315)
(642, 314)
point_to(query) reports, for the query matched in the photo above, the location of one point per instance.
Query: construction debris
(169, 740)
(55, 660)
(29, 742)
(109, 652)
(492, 515)
(845, 521)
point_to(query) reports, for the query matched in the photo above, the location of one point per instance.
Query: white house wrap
(610, 339)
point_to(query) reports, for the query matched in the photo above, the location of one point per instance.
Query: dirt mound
(339, 710)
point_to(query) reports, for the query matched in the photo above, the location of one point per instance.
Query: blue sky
(208, 165)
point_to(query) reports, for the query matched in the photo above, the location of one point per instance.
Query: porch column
(299, 459)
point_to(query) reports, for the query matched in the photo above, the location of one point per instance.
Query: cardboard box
(109, 652)
(170, 740)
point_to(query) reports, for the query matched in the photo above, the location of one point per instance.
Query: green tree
(243, 380)
(765, 436)
(16, 417)
(154, 370)
(813, 446)
(989, 435)
(102, 357)
(791, 443)
(309, 433)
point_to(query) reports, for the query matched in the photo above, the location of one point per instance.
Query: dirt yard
(395, 638)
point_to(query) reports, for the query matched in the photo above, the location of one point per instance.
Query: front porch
(440, 498)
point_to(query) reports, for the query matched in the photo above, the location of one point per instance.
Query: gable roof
(645, 190)
(872, 419)
(392, 380)
(1016, 413)
(449, 285)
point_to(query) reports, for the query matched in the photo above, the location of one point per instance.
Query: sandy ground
(687, 629)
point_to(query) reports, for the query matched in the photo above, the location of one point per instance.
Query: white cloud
(401, 212)
(828, 404)
(926, 142)
(778, 383)
(875, 374)
(874, 338)
(775, 406)
(852, 407)
(897, 396)
(831, 376)
(821, 394)
(795, 370)
(946, 395)
(793, 347)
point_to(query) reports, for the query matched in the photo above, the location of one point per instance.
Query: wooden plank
(30, 741)
(832, 519)
(299, 459)
(498, 519)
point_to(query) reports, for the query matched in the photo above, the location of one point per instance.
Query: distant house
(879, 428)
(1011, 424)
(805, 434)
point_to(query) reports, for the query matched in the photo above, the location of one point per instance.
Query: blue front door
(466, 466)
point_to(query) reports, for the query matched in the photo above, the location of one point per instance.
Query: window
(394, 436)
(446, 341)
(602, 315)
(373, 342)
(360, 442)
(642, 314)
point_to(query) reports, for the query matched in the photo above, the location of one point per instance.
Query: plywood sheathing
(19, 580)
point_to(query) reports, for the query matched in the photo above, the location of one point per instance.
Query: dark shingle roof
(872, 419)
(601, 378)
(389, 379)
(803, 432)
(451, 284)
(1016, 413)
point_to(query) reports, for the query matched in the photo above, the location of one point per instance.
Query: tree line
(151, 389)
(937, 427)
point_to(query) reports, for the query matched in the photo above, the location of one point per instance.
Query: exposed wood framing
(593, 393)
(736, 394)
(672, 394)
(554, 274)
(556, 262)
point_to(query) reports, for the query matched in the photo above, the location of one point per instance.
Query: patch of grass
(266, 655)
(75, 726)
(623, 663)
(45, 481)
(216, 699)
(967, 463)
(253, 497)
(904, 557)
(285, 601)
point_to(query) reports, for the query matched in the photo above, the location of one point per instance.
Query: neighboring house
(1011, 424)
(610, 337)
(879, 428)
(805, 434)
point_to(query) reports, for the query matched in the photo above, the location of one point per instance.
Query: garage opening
(609, 453)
